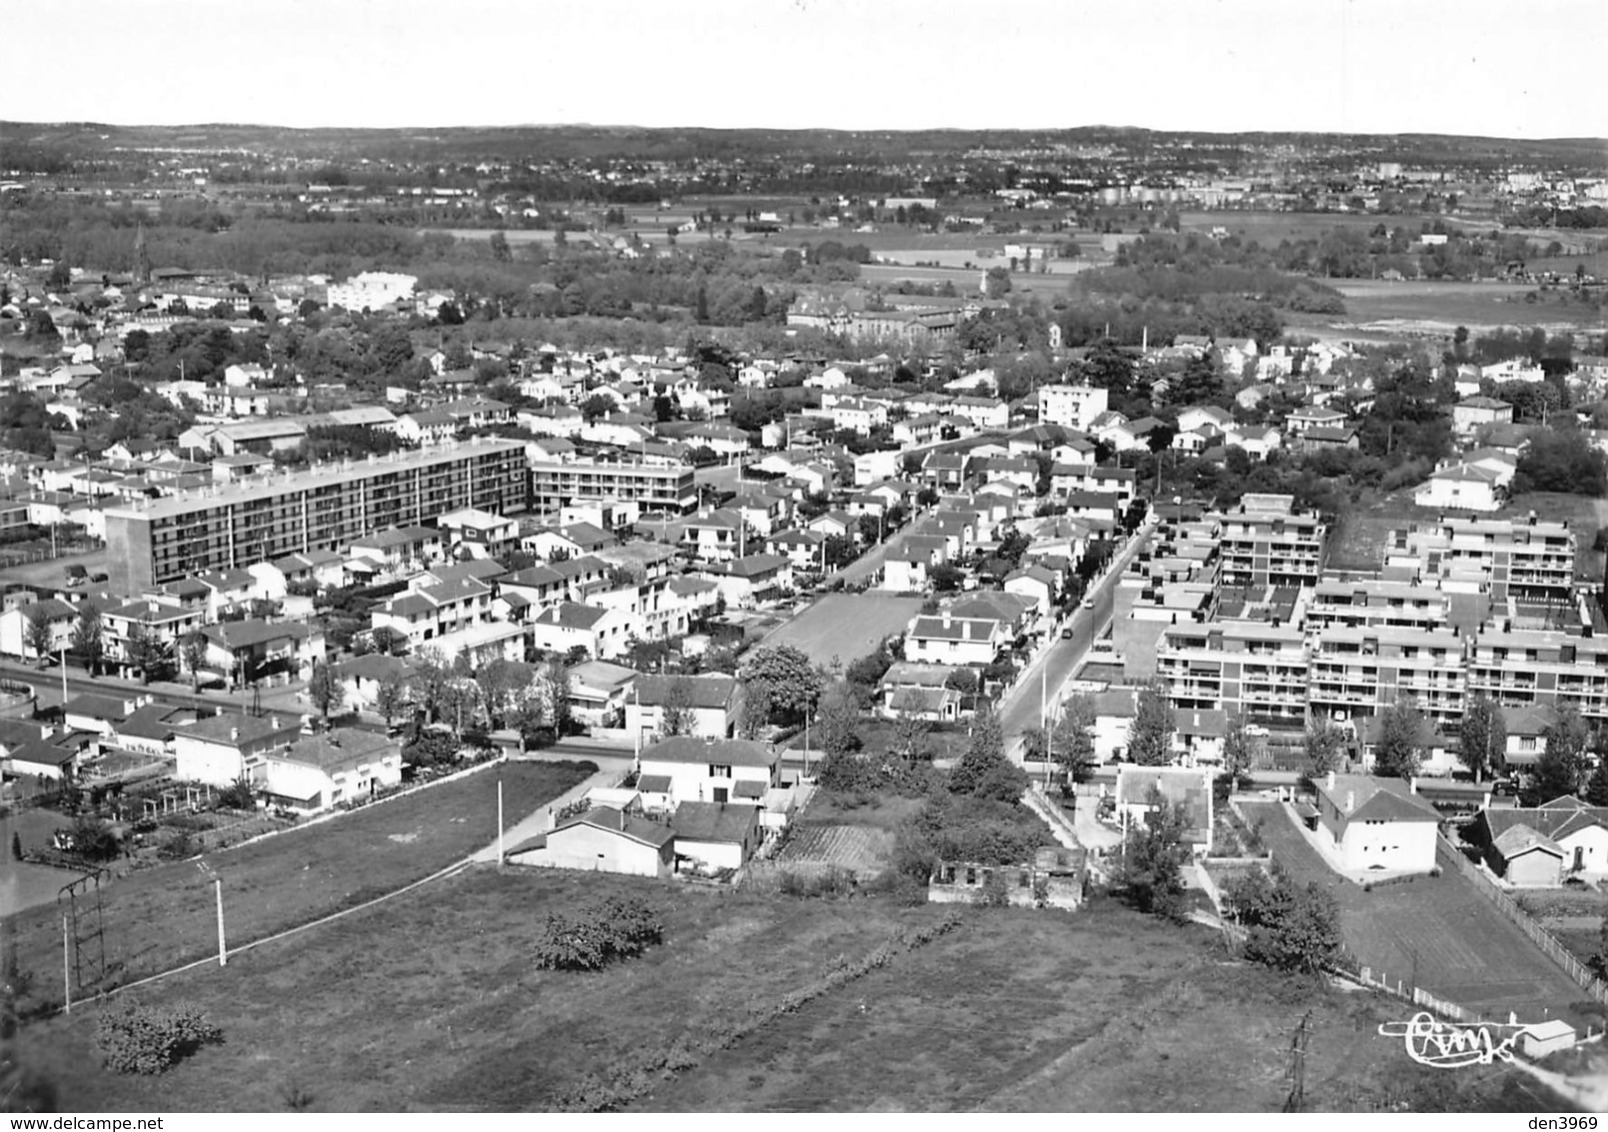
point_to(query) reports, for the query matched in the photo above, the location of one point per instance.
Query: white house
(689, 768)
(223, 748)
(1376, 823)
(709, 701)
(942, 639)
(1462, 487)
(323, 770)
(602, 840)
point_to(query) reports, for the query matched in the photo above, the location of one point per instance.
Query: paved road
(1054, 666)
(47, 683)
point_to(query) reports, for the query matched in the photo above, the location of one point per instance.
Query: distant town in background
(712, 552)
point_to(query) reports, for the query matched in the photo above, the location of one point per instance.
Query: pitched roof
(619, 823)
(692, 750)
(710, 690)
(571, 615)
(342, 746)
(1361, 797)
(714, 821)
(222, 728)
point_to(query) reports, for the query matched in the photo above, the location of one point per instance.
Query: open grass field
(1270, 228)
(431, 1002)
(1439, 928)
(845, 626)
(159, 918)
(1457, 304)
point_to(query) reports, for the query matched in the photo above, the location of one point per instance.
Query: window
(718, 771)
(1527, 743)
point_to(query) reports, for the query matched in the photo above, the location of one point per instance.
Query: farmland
(1062, 1012)
(845, 627)
(159, 918)
(1438, 931)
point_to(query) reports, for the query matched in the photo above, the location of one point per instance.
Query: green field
(432, 1002)
(159, 918)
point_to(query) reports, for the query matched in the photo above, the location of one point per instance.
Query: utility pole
(223, 948)
(64, 685)
(1297, 1071)
(499, 823)
(66, 968)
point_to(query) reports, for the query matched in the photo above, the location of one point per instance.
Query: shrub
(616, 928)
(142, 1039)
(994, 892)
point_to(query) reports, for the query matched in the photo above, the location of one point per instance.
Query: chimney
(1351, 800)
(273, 721)
(1328, 780)
(1412, 785)
(234, 734)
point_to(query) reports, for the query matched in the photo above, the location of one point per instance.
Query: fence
(1542, 938)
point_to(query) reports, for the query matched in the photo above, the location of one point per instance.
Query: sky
(1505, 68)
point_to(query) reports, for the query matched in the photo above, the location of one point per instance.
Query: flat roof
(321, 476)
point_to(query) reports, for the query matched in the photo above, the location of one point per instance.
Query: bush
(141, 1039)
(616, 928)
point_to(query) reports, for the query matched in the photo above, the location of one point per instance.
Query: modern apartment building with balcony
(327, 507)
(1521, 668)
(1360, 671)
(1256, 669)
(653, 486)
(1266, 541)
(1377, 604)
(1523, 560)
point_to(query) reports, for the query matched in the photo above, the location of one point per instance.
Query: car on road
(1066, 633)
(1088, 603)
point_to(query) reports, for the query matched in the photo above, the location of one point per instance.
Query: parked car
(1088, 603)
(1066, 633)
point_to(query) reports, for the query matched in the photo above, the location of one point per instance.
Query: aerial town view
(894, 597)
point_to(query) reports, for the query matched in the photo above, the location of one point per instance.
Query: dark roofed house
(1543, 845)
(715, 835)
(1376, 824)
(605, 840)
(1188, 787)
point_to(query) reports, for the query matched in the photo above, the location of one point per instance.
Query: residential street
(1043, 679)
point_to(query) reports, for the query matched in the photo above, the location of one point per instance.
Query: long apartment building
(1265, 541)
(324, 508)
(1523, 560)
(1359, 671)
(655, 487)
(1376, 604)
(1524, 667)
(1253, 668)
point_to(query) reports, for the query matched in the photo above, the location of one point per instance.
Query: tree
(325, 690)
(1290, 927)
(1325, 748)
(675, 713)
(597, 406)
(38, 634)
(1563, 759)
(910, 727)
(946, 577)
(390, 697)
(1403, 734)
(839, 726)
(1240, 748)
(1482, 742)
(497, 680)
(1152, 856)
(146, 1040)
(552, 684)
(794, 685)
(1072, 737)
(88, 642)
(431, 674)
(499, 246)
(1151, 732)
(756, 709)
(148, 654)
(16, 846)
(1597, 784)
(984, 771)
(387, 641)
(193, 653)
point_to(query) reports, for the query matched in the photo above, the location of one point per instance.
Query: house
(222, 748)
(944, 639)
(17, 635)
(362, 676)
(746, 581)
(326, 769)
(1462, 488)
(1054, 878)
(479, 533)
(602, 840)
(603, 633)
(1187, 787)
(149, 730)
(702, 769)
(909, 567)
(1541, 846)
(265, 651)
(599, 692)
(710, 703)
(921, 690)
(1303, 419)
(1474, 413)
(1375, 824)
(100, 715)
(715, 835)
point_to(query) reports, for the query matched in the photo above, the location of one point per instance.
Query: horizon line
(616, 126)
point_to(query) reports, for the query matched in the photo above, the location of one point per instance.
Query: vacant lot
(845, 627)
(1440, 929)
(1455, 304)
(159, 918)
(431, 1002)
